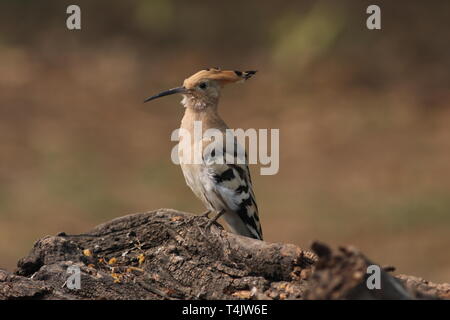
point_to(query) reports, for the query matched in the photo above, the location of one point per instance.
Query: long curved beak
(166, 93)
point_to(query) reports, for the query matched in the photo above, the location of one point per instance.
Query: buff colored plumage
(224, 188)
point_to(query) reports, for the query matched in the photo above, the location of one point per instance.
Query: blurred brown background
(363, 118)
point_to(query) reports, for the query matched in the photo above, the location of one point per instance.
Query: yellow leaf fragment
(117, 277)
(131, 269)
(141, 258)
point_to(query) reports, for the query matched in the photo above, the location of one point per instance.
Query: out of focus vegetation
(363, 118)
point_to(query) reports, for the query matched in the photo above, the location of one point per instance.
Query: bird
(224, 187)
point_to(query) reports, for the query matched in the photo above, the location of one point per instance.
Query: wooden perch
(166, 254)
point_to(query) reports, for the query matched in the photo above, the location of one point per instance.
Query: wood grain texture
(167, 254)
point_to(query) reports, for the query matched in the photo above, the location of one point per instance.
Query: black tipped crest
(246, 74)
(249, 74)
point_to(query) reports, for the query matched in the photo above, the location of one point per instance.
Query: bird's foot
(209, 223)
(214, 220)
(202, 232)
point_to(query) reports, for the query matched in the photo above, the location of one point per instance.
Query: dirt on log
(167, 254)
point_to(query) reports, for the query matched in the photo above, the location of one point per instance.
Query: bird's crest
(222, 76)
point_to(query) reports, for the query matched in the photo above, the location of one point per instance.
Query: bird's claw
(214, 220)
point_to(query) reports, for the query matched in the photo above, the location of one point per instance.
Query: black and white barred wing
(229, 188)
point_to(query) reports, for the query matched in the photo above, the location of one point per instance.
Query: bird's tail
(248, 227)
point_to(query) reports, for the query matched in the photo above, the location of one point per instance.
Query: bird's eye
(202, 85)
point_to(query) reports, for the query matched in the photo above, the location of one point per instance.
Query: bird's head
(202, 89)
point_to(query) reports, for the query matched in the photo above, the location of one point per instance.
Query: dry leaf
(243, 294)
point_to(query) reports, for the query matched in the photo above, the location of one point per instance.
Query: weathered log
(343, 274)
(166, 254)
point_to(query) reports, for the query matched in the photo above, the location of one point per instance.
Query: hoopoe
(224, 188)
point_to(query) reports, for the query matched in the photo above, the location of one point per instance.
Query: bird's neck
(209, 118)
(199, 103)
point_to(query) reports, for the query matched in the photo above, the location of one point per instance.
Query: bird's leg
(206, 214)
(213, 220)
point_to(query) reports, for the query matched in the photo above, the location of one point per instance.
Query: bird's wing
(231, 184)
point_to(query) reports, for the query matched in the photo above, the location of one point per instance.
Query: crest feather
(222, 76)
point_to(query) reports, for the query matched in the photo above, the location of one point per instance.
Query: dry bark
(166, 254)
